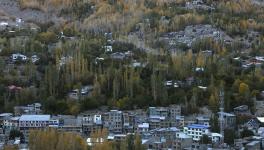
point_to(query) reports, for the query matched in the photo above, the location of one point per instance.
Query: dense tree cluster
(55, 140)
(118, 84)
(131, 142)
(70, 64)
(52, 139)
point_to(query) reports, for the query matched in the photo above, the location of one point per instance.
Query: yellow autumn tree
(213, 102)
(45, 4)
(9, 147)
(51, 139)
(243, 88)
(137, 143)
(99, 140)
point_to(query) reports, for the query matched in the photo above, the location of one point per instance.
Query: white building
(216, 137)
(18, 56)
(34, 58)
(108, 49)
(3, 23)
(196, 131)
(199, 69)
(97, 119)
(144, 127)
(116, 137)
(94, 141)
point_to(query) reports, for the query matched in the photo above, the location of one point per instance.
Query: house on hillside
(118, 56)
(18, 57)
(85, 91)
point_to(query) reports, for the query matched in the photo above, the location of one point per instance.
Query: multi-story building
(154, 144)
(11, 123)
(29, 109)
(196, 131)
(229, 120)
(158, 122)
(128, 122)
(203, 120)
(140, 117)
(113, 121)
(67, 123)
(3, 117)
(91, 122)
(165, 133)
(143, 128)
(174, 110)
(182, 141)
(158, 111)
(166, 138)
(179, 122)
(163, 117)
(32, 122)
(189, 120)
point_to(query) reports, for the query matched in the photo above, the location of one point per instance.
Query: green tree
(130, 142)
(229, 136)
(14, 134)
(246, 133)
(47, 37)
(214, 122)
(205, 139)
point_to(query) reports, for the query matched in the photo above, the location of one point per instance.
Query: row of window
(194, 133)
(194, 129)
(195, 137)
(31, 125)
(34, 121)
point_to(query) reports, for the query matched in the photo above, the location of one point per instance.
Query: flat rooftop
(34, 118)
(198, 126)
